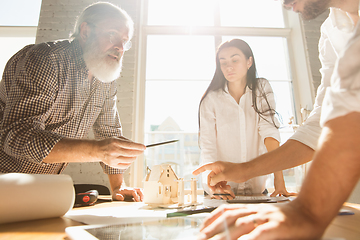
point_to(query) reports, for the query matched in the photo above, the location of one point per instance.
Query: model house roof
(158, 171)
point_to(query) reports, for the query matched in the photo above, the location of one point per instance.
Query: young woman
(237, 119)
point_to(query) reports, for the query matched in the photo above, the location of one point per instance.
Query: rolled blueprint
(34, 196)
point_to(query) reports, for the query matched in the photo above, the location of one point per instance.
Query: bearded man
(52, 94)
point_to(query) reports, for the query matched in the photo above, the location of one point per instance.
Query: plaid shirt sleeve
(30, 96)
(108, 124)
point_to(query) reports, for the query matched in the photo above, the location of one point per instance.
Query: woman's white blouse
(234, 132)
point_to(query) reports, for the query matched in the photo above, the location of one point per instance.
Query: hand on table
(221, 188)
(123, 194)
(280, 188)
(260, 222)
(282, 192)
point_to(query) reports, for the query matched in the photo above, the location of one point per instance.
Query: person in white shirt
(335, 33)
(299, 149)
(336, 162)
(237, 119)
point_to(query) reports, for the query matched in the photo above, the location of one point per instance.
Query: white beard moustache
(103, 70)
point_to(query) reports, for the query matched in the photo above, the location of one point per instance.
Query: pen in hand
(161, 143)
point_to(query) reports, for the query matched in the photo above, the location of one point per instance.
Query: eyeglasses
(115, 38)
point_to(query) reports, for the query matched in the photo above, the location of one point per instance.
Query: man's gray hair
(100, 11)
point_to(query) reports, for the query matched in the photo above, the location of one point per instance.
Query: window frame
(303, 90)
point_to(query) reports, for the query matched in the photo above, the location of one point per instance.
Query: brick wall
(312, 35)
(57, 20)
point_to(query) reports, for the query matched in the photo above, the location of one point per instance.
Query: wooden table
(346, 227)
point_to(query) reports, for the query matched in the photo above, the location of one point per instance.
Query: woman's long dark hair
(252, 81)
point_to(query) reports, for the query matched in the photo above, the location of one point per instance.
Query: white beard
(102, 68)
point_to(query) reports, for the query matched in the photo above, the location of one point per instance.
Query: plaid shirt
(45, 95)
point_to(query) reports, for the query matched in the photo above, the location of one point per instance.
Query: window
(177, 54)
(18, 23)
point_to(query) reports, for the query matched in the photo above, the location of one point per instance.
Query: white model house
(161, 185)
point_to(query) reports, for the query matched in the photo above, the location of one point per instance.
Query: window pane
(284, 101)
(254, 13)
(177, 101)
(11, 45)
(180, 57)
(181, 13)
(270, 55)
(19, 12)
(171, 112)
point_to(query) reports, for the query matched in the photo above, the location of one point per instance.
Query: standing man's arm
(335, 170)
(332, 176)
(290, 154)
(115, 152)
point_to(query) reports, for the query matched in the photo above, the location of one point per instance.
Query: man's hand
(261, 221)
(128, 194)
(223, 171)
(122, 193)
(118, 152)
(222, 188)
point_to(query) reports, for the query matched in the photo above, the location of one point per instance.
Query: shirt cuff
(110, 170)
(40, 146)
(339, 103)
(308, 134)
(272, 133)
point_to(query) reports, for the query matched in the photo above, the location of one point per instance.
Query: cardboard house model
(161, 185)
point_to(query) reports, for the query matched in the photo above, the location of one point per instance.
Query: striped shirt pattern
(45, 95)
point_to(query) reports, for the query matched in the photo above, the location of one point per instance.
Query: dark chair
(81, 188)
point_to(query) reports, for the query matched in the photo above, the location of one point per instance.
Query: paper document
(34, 196)
(244, 199)
(130, 212)
(257, 199)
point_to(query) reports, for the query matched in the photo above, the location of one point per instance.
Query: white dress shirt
(234, 132)
(343, 96)
(335, 33)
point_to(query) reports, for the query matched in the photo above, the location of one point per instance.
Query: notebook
(257, 199)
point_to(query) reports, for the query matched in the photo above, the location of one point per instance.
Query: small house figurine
(162, 186)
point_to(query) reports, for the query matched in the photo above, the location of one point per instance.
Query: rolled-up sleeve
(309, 132)
(343, 97)
(23, 133)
